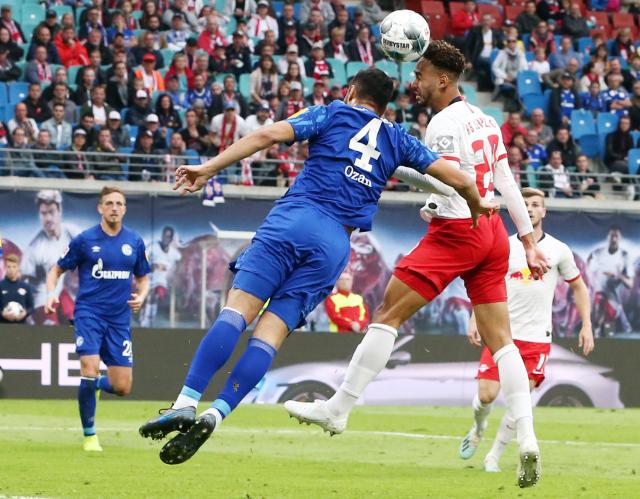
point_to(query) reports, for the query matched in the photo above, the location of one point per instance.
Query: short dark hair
(445, 57)
(374, 84)
(106, 190)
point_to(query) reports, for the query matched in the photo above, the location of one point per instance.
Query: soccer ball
(404, 35)
(14, 307)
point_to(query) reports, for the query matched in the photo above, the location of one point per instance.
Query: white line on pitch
(396, 434)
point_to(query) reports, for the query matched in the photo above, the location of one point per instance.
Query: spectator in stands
(21, 120)
(552, 79)
(558, 183)
(83, 92)
(479, 44)
(77, 159)
(346, 310)
(8, 70)
(342, 21)
(218, 63)
(121, 56)
(615, 68)
(174, 157)
(536, 153)
(227, 128)
(564, 143)
(181, 70)
(516, 163)
(540, 64)
(38, 70)
(238, 55)
(120, 134)
(97, 105)
(419, 128)
(509, 62)
(291, 57)
(60, 95)
(153, 80)
(5, 136)
(262, 22)
(600, 59)
(105, 164)
(542, 37)
(13, 26)
(58, 128)
(177, 36)
(120, 87)
(145, 165)
(263, 81)
(13, 289)
(88, 125)
(180, 7)
(51, 22)
(632, 73)
(574, 24)
(550, 10)
(137, 113)
(149, 10)
(95, 63)
(72, 52)
(287, 21)
(146, 46)
(211, 36)
(404, 113)
(462, 21)
(560, 58)
(371, 11)
(15, 52)
(288, 37)
(20, 163)
(361, 49)
(616, 96)
(336, 93)
(310, 35)
(42, 38)
(594, 100)
(634, 110)
(335, 48)
(168, 116)
(229, 94)
(291, 104)
(258, 120)
(317, 66)
(178, 97)
(325, 9)
(153, 38)
(152, 124)
(93, 23)
(623, 46)
(44, 160)
(527, 20)
(617, 146)
(590, 75)
(584, 183)
(318, 96)
(199, 91)
(119, 27)
(195, 136)
(563, 101)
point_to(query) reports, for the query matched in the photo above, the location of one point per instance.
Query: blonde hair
(529, 192)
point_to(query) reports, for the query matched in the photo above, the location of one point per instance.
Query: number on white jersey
(484, 170)
(368, 151)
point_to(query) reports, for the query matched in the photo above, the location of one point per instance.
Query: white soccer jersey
(164, 264)
(462, 133)
(605, 267)
(530, 301)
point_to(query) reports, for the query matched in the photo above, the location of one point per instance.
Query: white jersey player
(462, 134)
(530, 312)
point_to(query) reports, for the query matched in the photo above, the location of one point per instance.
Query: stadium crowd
(185, 78)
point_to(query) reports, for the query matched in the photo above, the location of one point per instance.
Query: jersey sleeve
(309, 122)
(414, 154)
(141, 268)
(567, 265)
(72, 255)
(443, 138)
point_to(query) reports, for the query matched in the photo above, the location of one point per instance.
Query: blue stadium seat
(354, 66)
(532, 178)
(634, 161)
(245, 85)
(528, 83)
(530, 56)
(4, 94)
(525, 40)
(534, 101)
(389, 67)
(61, 10)
(582, 123)
(167, 55)
(375, 31)
(636, 136)
(278, 7)
(125, 165)
(72, 73)
(469, 92)
(406, 73)
(607, 123)
(339, 72)
(194, 158)
(133, 132)
(32, 14)
(495, 113)
(18, 91)
(307, 85)
(590, 145)
(584, 44)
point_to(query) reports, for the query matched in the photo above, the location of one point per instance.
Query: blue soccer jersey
(106, 266)
(352, 154)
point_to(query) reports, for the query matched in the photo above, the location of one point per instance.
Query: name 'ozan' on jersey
(352, 154)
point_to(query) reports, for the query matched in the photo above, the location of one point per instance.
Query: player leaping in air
(530, 308)
(471, 141)
(302, 246)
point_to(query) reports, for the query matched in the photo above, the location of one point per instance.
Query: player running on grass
(108, 257)
(530, 313)
(467, 138)
(302, 247)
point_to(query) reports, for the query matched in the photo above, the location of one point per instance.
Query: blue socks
(104, 385)
(214, 350)
(249, 370)
(87, 404)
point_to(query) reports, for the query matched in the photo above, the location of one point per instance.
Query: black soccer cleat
(168, 421)
(183, 446)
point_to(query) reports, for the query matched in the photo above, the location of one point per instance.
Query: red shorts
(450, 249)
(534, 355)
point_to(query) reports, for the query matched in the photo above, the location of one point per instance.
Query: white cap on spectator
(296, 85)
(79, 131)
(114, 115)
(141, 94)
(153, 118)
(293, 48)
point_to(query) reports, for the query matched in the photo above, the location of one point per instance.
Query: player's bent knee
(122, 389)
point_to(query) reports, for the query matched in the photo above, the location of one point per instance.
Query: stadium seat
(528, 83)
(582, 123)
(602, 19)
(278, 7)
(245, 85)
(194, 158)
(624, 20)
(431, 7)
(375, 31)
(18, 91)
(4, 94)
(469, 92)
(339, 73)
(307, 85)
(493, 10)
(72, 73)
(406, 73)
(525, 40)
(590, 145)
(530, 56)
(353, 67)
(512, 11)
(123, 113)
(61, 10)
(125, 165)
(636, 137)
(532, 178)
(634, 161)
(534, 101)
(584, 45)
(438, 24)
(389, 67)
(32, 14)
(133, 132)
(607, 122)
(495, 113)
(455, 7)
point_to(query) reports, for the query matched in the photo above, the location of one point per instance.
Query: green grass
(259, 452)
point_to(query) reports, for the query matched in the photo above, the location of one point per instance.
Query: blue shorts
(294, 261)
(95, 336)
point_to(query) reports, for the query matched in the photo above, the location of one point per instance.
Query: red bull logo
(522, 275)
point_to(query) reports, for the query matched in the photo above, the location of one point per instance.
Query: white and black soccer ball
(404, 35)
(14, 307)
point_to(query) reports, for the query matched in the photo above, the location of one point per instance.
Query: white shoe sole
(300, 411)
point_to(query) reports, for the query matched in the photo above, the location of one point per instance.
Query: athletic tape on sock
(503, 351)
(383, 327)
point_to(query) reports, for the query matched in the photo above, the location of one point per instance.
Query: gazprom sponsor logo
(97, 272)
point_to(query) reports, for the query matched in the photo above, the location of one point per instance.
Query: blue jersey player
(302, 246)
(108, 257)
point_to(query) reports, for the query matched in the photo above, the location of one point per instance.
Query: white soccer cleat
(470, 442)
(316, 412)
(529, 467)
(491, 464)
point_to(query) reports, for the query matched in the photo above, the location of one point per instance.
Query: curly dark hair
(445, 57)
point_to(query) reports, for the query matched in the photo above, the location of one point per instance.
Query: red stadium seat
(622, 20)
(430, 7)
(455, 7)
(602, 18)
(412, 5)
(493, 10)
(439, 24)
(512, 11)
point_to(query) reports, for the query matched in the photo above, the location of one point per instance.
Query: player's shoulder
(90, 233)
(129, 233)
(552, 243)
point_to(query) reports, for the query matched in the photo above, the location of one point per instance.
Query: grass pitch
(388, 452)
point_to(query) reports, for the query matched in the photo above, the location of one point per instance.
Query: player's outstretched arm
(464, 185)
(422, 181)
(583, 304)
(193, 178)
(52, 281)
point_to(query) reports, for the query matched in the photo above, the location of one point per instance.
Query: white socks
(515, 386)
(506, 431)
(215, 413)
(480, 413)
(184, 401)
(369, 359)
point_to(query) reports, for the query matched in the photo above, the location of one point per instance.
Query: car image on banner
(570, 381)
